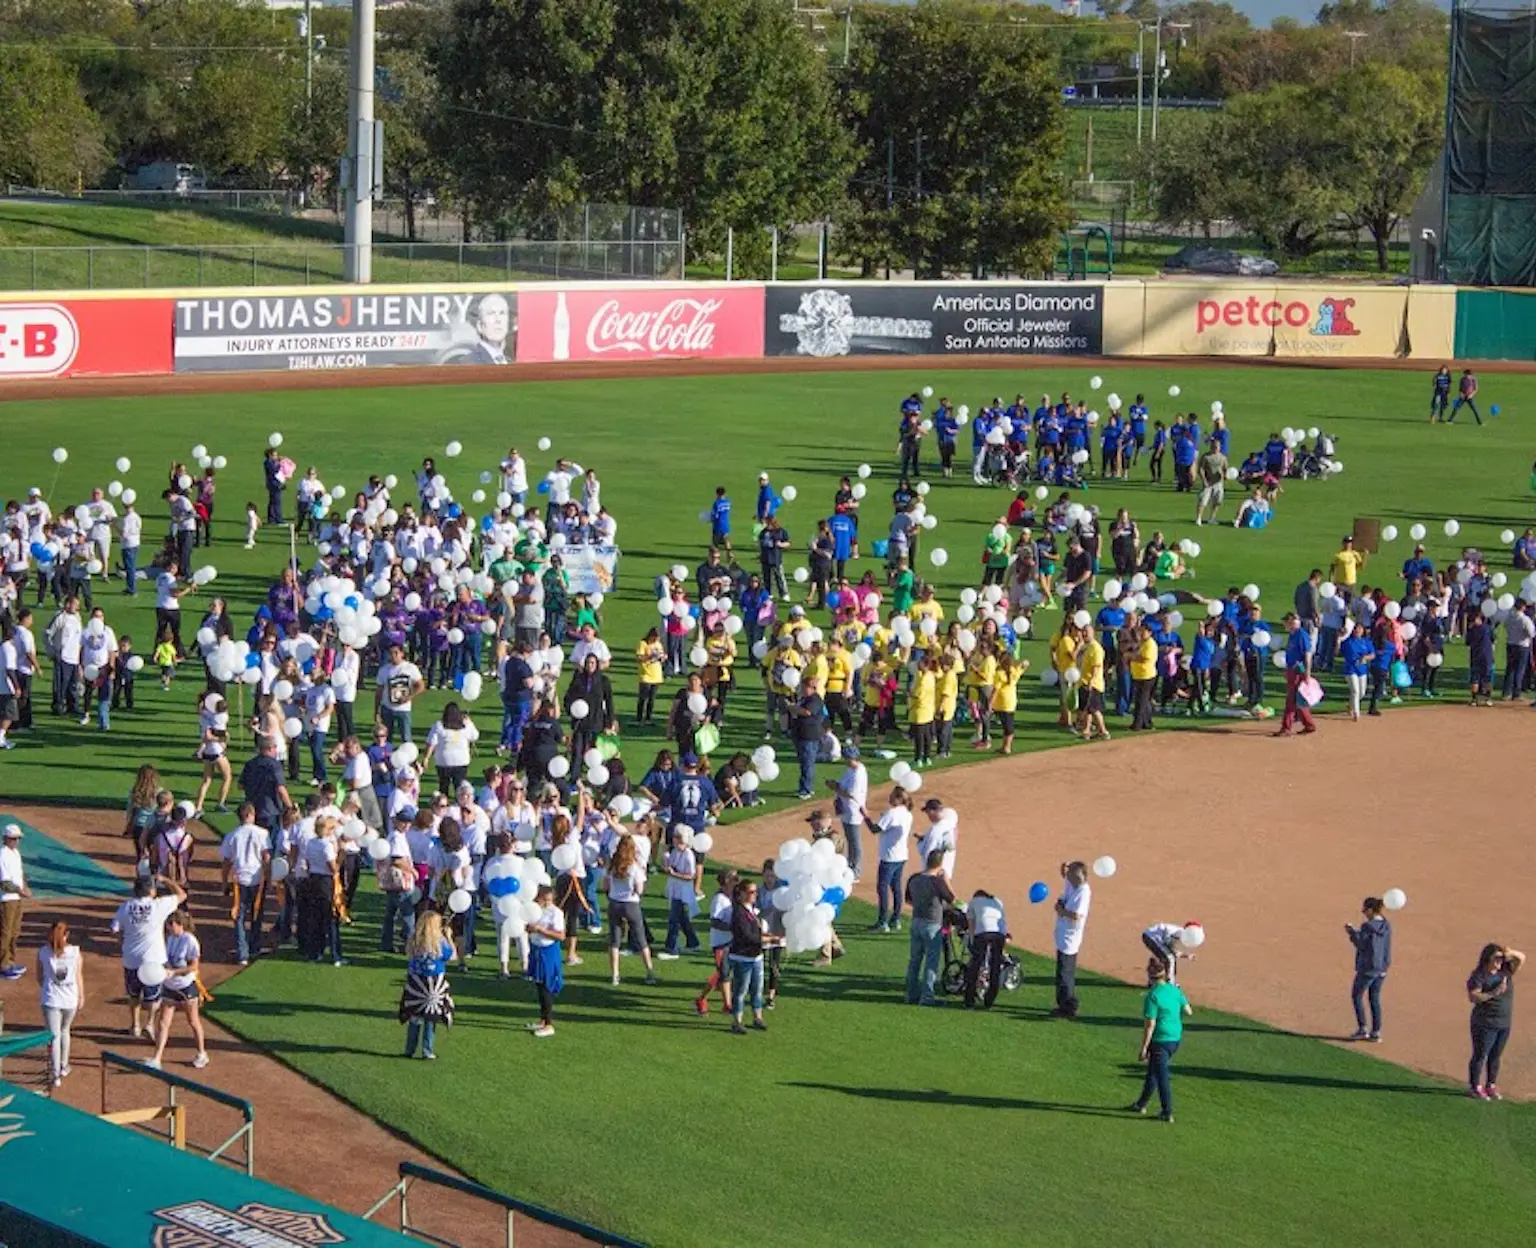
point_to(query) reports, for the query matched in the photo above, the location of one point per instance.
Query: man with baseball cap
(943, 825)
(1344, 571)
(13, 887)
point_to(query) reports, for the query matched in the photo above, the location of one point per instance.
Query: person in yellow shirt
(650, 654)
(1345, 569)
(879, 698)
(1090, 663)
(816, 668)
(719, 667)
(927, 607)
(781, 693)
(794, 625)
(922, 709)
(951, 665)
(980, 672)
(1143, 677)
(1064, 655)
(1005, 696)
(839, 684)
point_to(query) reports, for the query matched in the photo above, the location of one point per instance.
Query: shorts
(136, 991)
(626, 920)
(1047, 567)
(1093, 700)
(1005, 722)
(179, 996)
(8, 708)
(1212, 495)
(717, 538)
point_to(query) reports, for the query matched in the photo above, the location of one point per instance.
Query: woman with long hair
(213, 749)
(426, 1001)
(450, 741)
(448, 862)
(545, 935)
(650, 656)
(1491, 990)
(592, 689)
(719, 942)
(891, 832)
(141, 804)
(570, 888)
(746, 956)
(626, 885)
(320, 904)
(182, 986)
(980, 672)
(61, 978)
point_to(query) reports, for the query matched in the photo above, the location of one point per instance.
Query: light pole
(1141, 32)
(361, 159)
(1354, 37)
(1158, 72)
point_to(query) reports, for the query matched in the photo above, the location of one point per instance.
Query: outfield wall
(106, 333)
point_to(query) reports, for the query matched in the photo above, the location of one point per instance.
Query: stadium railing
(174, 1113)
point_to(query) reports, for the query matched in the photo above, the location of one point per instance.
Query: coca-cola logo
(681, 327)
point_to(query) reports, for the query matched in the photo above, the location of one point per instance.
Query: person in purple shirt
(1466, 396)
(1298, 668)
(438, 649)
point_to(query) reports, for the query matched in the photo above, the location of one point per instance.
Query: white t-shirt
(987, 917)
(320, 855)
(683, 862)
(452, 744)
(181, 951)
(59, 976)
(141, 921)
(894, 828)
(12, 872)
(398, 681)
(553, 918)
(941, 835)
(133, 528)
(243, 849)
(597, 647)
(720, 906)
(852, 793)
(165, 593)
(626, 887)
(1069, 932)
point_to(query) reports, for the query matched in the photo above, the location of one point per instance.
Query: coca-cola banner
(347, 329)
(876, 318)
(640, 323)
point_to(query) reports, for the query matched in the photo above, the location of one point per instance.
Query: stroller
(1316, 462)
(956, 949)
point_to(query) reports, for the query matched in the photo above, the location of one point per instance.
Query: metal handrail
(411, 1171)
(173, 1081)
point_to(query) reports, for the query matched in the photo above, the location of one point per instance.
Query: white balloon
(124, 463)
(579, 709)
(1507, 537)
(558, 767)
(938, 556)
(703, 842)
(275, 441)
(597, 776)
(151, 974)
(280, 866)
(1173, 392)
(790, 493)
(1394, 899)
(1104, 867)
(1095, 382)
(1389, 533)
(545, 444)
(1081, 619)
(1192, 937)
(60, 454)
(698, 704)
(1452, 527)
(565, 857)
(1417, 532)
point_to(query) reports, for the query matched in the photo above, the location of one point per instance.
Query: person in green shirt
(902, 588)
(994, 554)
(1164, 1009)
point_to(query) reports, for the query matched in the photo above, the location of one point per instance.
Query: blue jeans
(397, 906)
(248, 924)
(806, 752)
(923, 961)
(1516, 660)
(679, 922)
(746, 977)
(514, 716)
(1123, 685)
(317, 753)
(1327, 647)
(396, 720)
(1367, 985)
(427, 1031)
(853, 834)
(131, 568)
(466, 655)
(888, 883)
(1159, 1054)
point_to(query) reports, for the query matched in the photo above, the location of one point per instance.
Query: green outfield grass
(661, 446)
(859, 1120)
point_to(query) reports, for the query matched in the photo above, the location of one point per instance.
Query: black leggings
(1487, 1050)
(922, 741)
(1142, 711)
(645, 704)
(546, 1003)
(838, 712)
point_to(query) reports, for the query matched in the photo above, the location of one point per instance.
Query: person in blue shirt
(1159, 447)
(981, 425)
(1355, 655)
(844, 532)
(1249, 622)
(752, 600)
(772, 542)
(1041, 412)
(1109, 446)
(1050, 432)
(720, 520)
(911, 444)
(768, 501)
(1170, 648)
(1138, 425)
(1524, 551)
(947, 427)
(912, 405)
(660, 784)
(1440, 395)
(1185, 452)
(1201, 660)
(1274, 455)
(1418, 567)
(1076, 428)
(694, 800)
(1298, 667)
(1220, 434)
(426, 1001)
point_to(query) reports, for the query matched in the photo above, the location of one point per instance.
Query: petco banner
(873, 318)
(637, 323)
(40, 339)
(1276, 319)
(240, 333)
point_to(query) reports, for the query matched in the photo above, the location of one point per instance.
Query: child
(426, 1001)
(122, 673)
(165, 657)
(252, 523)
(1005, 696)
(545, 935)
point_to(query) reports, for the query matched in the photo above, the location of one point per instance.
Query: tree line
(932, 135)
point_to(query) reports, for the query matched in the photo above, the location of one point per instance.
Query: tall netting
(1490, 148)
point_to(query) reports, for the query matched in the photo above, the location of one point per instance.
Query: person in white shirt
(720, 907)
(317, 701)
(1071, 919)
(103, 517)
(626, 885)
(590, 643)
(61, 980)
(168, 596)
(514, 476)
(891, 832)
(10, 691)
(989, 936)
(346, 675)
(65, 633)
(246, 854)
(141, 922)
(130, 529)
(545, 969)
(98, 648)
(852, 790)
(183, 960)
(449, 741)
(13, 889)
(681, 867)
(26, 659)
(943, 829)
(398, 684)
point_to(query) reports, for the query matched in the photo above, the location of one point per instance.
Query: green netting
(1490, 220)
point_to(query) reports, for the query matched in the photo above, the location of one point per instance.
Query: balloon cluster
(511, 883)
(814, 881)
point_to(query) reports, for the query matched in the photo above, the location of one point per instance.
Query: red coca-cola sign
(639, 323)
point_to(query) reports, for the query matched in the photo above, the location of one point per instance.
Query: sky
(1262, 12)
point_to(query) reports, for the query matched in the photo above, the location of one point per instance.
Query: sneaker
(701, 1005)
(1396, 701)
(1361, 1034)
(1492, 1093)
(615, 981)
(7, 744)
(84, 720)
(339, 962)
(650, 977)
(1477, 1093)
(880, 927)
(544, 1031)
(1168, 1118)
(200, 1061)
(153, 1063)
(573, 960)
(738, 1030)
(759, 1025)
(895, 925)
(429, 1057)
(1375, 1037)
(1137, 1108)
(597, 929)
(136, 1031)
(802, 796)
(64, 1074)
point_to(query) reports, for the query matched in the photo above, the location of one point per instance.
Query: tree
(1185, 171)
(48, 135)
(1389, 127)
(958, 119)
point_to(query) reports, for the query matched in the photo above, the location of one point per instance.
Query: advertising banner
(875, 318)
(1222, 318)
(591, 569)
(1432, 323)
(636, 323)
(40, 338)
(244, 333)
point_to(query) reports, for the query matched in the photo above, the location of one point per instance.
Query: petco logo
(1329, 319)
(680, 327)
(36, 339)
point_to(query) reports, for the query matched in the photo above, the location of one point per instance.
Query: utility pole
(309, 60)
(1141, 32)
(1157, 73)
(362, 160)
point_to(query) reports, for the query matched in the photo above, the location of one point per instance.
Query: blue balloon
(458, 681)
(487, 523)
(307, 667)
(352, 601)
(454, 511)
(323, 613)
(253, 659)
(543, 487)
(39, 551)
(1038, 892)
(694, 611)
(834, 896)
(504, 886)
(1494, 410)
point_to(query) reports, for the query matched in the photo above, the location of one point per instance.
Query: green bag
(707, 739)
(607, 745)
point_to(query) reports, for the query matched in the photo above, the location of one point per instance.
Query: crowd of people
(397, 596)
